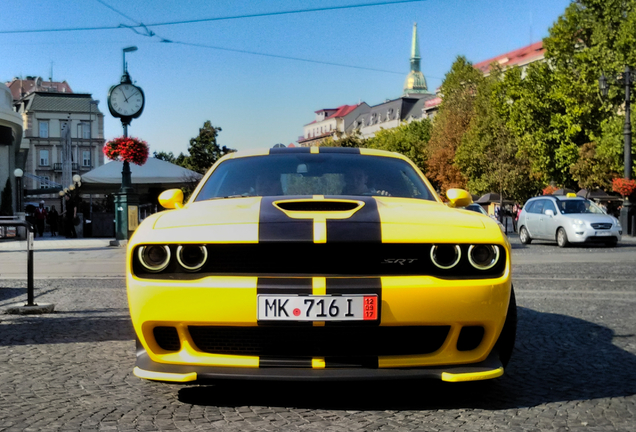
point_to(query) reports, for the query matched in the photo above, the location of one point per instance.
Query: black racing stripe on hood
(275, 226)
(363, 226)
(356, 286)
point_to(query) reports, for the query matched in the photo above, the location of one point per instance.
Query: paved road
(574, 366)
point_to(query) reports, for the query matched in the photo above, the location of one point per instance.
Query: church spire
(415, 82)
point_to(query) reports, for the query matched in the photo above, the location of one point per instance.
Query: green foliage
(488, 154)
(410, 139)
(352, 139)
(451, 123)
(204, 150)
(593, 170)
(6, 200)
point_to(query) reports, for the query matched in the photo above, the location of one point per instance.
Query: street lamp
(125, 50)
(18, 173)
(626, 79)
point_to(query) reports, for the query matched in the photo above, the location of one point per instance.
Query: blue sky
(257, 100)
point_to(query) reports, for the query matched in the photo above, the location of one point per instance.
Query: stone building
(47, 108)
(10, 138)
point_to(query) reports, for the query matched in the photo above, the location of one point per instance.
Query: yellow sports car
(319, 264)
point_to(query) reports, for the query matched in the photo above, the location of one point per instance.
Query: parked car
(567, 219)
(319, 264)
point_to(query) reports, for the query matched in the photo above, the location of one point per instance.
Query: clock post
(126, 101)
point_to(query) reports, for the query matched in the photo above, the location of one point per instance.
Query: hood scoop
(318, 206)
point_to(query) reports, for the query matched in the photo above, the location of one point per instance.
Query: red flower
(623, 186)
(132, 150)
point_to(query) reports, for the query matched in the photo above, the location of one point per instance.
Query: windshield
(314, 174)
(578, 206)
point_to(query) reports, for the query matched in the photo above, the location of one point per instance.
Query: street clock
(126, 100)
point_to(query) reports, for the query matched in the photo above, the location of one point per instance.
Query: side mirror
(549, 213)
(171, 199)
(458, 198)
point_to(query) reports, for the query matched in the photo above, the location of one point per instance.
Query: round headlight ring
(458, 256)
(202, 260)
(143, 252)
(494, 257)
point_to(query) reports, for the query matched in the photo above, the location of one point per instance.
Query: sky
(259, 79)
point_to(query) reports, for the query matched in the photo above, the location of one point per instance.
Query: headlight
(445, 256)
(154, 257)
(578, 222)
(192, 257)
(618, 224)
(483, 257)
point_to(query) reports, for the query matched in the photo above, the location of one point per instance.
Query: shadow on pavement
(17, 295)
(556, 358)
(53, 329)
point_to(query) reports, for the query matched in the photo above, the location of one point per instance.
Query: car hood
(254, 219)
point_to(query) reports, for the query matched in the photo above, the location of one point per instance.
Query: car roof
(559, 197)
(313, 150)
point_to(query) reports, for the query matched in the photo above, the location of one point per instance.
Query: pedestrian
(515, 216)
(69, 217)
(40, 218)
(52, 220)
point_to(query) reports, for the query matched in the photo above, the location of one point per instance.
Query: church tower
(415, 82)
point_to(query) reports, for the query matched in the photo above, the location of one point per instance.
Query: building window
(44, 185)
(44, 128)
(44, 158)
(86, 158)
(84, 130)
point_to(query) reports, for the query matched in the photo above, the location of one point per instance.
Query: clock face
(126, 99)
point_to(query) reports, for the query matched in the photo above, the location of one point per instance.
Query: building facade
(10, 138)
(46, 109)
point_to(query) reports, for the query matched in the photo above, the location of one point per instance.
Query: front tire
(562, 238)
(506, 342)
(524, 236)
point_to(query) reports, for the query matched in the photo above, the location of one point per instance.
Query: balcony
(57, 167)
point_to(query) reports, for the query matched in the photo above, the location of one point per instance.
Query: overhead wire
(200, 20)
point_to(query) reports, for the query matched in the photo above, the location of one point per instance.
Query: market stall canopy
(155, 173)
(492, 197)
(598, 195)
(562, 191)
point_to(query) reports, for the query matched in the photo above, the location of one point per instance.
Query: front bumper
(587, 234)
(145, 368)
(407, 302)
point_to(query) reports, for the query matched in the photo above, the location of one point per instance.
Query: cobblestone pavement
(574, 365)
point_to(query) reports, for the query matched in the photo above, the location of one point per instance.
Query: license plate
(603, 233)
(356, 307)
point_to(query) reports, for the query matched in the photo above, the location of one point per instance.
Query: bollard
(31, 307)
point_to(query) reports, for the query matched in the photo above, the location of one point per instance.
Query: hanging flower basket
(132, 150)
(623, 186)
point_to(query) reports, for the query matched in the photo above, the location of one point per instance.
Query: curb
(21, 309)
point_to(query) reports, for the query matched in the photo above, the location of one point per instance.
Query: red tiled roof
(523, 55)
(433, 102)
(22, 87)
(343, 110)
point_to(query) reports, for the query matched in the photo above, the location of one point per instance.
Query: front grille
(603, 225)
(167, 338)
(306, 341)
(354, 259)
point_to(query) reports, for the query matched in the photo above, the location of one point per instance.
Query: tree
(6, 200)
(352, 139)
(410, 139)
(451, 123)
(488, 155)
(593, 170)
(204, 150)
